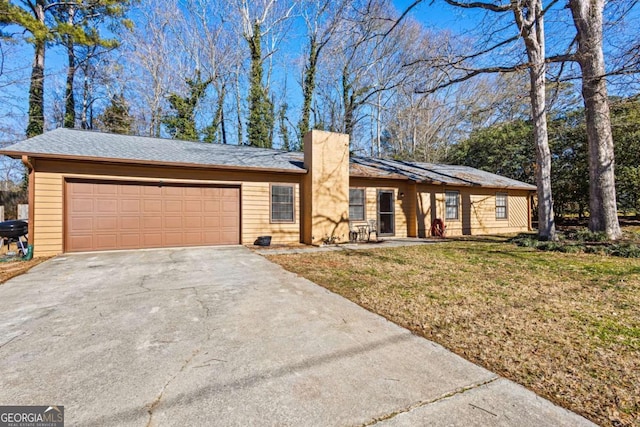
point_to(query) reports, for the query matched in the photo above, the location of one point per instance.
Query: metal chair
(353, 232)
(373, 228)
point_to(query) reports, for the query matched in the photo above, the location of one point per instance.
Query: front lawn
(566, 326)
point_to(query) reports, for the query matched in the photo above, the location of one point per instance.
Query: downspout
(32, 195)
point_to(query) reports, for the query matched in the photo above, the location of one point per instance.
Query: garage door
(117, 215)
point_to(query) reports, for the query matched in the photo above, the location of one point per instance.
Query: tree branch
(472, 73)
(480, 5)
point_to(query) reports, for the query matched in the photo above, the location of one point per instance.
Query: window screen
(356, 204)
(501, 206)
(451, 204)
(282, 203)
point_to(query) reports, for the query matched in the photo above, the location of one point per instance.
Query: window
(451, 204)
(501, 206)
(356, 204)
(282, 203)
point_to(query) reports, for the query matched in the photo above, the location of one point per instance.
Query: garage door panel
(152, 190)
(211, 192)
(212, 206)
(105, 223)
(172, 191)
(103, 206)
(107, 215)
(130, 190)
(129, 223)
(212, 237)
(194, 236)
(82, 188)
(130, 205)
(172, 206)
(229, 206)
(83, 243)
(193, 222)
(106, 189)
(152, 240)
(194, 192)
(172, 222)
(229, 221)
(81, 224)
(211, 222)
(193, 206)
(82, 204)
(154, 222)
(173, 238)
(130, 241)
(106, 241)
(152, 206)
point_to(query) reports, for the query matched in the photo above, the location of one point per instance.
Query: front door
(386, 220)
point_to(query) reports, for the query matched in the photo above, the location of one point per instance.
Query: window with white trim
(282, 206)
(452, 204)
(501, 206)
(356, 204)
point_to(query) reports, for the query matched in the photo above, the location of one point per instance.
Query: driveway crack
(202, 304)
(207, 314)
(11, 339)
(422, 403)
(151, 407)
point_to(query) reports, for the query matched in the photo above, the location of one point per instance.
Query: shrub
(625, 250)
(585, 235)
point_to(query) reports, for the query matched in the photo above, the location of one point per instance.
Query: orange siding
(404, 207)
(255, 197)
(477, 210)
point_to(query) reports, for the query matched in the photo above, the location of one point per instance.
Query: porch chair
(353, 232)
(373, 228)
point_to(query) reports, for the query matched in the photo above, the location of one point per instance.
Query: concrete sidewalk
(221, 336)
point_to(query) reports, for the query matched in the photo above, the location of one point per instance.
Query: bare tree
(155, 67)
(528, 16)
(603, 215)
(322, 18)
(261, 20)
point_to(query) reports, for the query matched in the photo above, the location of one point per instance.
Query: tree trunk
(308, 87)
(546, 216)
(347, 100)
(223, 128)
(70, 102)
(603, 214)
(36, 88)
(86, 104)
(239, 129)
(529, 17)
(378, 124)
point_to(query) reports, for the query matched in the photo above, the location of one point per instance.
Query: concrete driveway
(221, 336)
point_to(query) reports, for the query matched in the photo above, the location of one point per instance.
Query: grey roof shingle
(66, 143)
(442, 174)
(79, 143)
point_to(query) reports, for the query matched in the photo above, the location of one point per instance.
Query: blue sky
(434, 15)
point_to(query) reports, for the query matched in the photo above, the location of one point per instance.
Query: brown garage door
(117, 215)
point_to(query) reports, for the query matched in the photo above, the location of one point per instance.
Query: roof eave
(497, 187)
(48, 156)
(395, 177)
